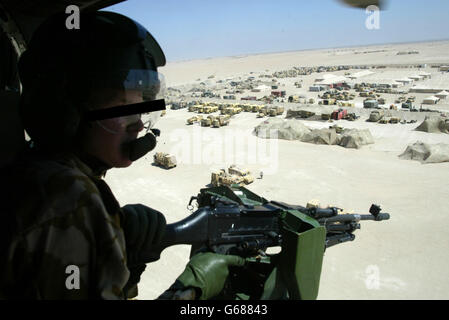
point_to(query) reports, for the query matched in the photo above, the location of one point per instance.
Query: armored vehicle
(394, 120)
(306, 114)
(224, 120)
(194, 119)
(234, 175)
(246, 174)
(220, 178)
(216, 123)
(165, 160)
(206, 122)
(262, 113)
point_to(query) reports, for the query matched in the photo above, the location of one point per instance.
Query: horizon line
(308, 49)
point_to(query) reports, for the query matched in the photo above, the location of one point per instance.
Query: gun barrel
(379, 217)
(354, 218)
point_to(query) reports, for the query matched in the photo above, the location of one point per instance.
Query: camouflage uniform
(61, 214)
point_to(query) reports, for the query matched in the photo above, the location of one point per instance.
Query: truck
(407, 105)
(234, 175)
(194, 119)
(339, 114)
(165, 160)
(370, 104)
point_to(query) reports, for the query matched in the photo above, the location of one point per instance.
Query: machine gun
(234, 220)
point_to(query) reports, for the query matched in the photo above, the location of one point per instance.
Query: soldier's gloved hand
(207, 273)
(144, 228)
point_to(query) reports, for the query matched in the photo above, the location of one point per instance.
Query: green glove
(208, 272)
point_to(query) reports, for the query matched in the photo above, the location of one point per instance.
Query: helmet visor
(127, 97)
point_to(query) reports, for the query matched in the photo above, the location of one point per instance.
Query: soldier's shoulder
(51, 188)
(52, 175)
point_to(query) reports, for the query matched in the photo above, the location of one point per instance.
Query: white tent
(442, 95)
(332, 80)
(263, 87)
(416, 77)
(430, 100)
(405, 80)
(360, 74)
(426, 75)
(325, 77)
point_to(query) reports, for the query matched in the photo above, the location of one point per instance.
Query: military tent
(426, 153)
(353, 138)
(321, 136)
(434, 124)
(442, 95)
(430, 100)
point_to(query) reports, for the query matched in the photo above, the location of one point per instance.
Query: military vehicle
(256, 108)
(196, 108)
(304, 114)
(206, 122)
(275, 111)
(246, 174)
(194, 119)
(210, 109)
(370, 103)
(351, 117)
(165, 160)
(228, 110)
(363, 94)
(345, 104)
(407, 105)
(272, 112)
(262, 113)
(329, 102)
(220, 178)
(293, 99)
(224, 120)
(394, 120)
(220, 121)
(247, 107)
(234, 175)
(339, 114)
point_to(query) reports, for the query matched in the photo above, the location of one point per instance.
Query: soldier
(65, 234)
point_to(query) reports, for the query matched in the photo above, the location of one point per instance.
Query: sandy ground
(403, 258)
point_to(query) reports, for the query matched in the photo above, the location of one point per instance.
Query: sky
(199, 29)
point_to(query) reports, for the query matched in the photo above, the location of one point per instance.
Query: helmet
(63, 70)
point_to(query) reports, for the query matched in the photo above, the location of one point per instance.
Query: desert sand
(403, 258)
